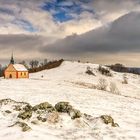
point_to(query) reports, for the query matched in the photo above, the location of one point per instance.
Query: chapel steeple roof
(12, 59)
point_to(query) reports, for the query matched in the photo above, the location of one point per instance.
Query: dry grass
(85, 85)
(102, 85)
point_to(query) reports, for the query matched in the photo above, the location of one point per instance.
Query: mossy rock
(35, 122)
(8, 111)
(26, 128)
(6, 101)
(63, 107)
(28, 107)
(74, 113)
(23, 125)
(17, 108)
(115, 125)
(25, 115)
(44, 106)
(41, 119)
(109, 120)
(87, 116)
(39, 112)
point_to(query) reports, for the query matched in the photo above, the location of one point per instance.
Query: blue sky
(63, 11)
(60, 10)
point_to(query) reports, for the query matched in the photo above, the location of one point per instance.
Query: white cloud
(105, 12)
(43, 20)
(48, 30)
(108, 11)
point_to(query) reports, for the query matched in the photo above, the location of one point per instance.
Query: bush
(49, 65)
(89, 71)
(102, 85)
(119, 68)
(125, 81)
(113, 88)
(104, 71)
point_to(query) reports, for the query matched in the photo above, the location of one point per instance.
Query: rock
(34, 122)
(28, 107)
(8, 111)
(25, 115)
(40, 112)
(74, 113)
(23, 125)
(44, 106)
(6, 101)
(53, 117)
(63, 107)
(41, 119)
(87, 117)
(109, 120)
(25, 128)
(17, 108)
(115, 125)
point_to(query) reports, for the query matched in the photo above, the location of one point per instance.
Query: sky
(97, 31)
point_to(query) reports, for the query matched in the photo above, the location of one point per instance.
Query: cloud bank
(91, 30)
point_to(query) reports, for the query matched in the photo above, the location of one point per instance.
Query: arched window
(24, 73)
(21, 73)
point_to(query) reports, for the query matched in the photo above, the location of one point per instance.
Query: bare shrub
(113, 88)
(125, 81)
(104, 71)
(102, 85)
(83, 84)
(89, 71)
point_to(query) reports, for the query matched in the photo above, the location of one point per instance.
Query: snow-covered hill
(70, 83)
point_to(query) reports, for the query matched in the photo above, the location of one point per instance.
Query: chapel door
(10, 76)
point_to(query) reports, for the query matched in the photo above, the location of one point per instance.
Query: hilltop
(70, 82)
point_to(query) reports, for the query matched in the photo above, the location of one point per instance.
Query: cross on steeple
(12, 59)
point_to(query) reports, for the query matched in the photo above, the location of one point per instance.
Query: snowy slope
(69, 82)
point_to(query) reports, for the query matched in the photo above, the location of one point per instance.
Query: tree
(34, 64)
(45, 62)
(2, 69)
(31, 63)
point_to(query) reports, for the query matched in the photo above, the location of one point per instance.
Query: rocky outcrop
(47, 114)
(109, 120)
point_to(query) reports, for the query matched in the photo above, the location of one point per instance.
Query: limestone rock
(109, 120)
(74, 113)
(23, 125)
(63, 107)
(25, 115)
(44, 106)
